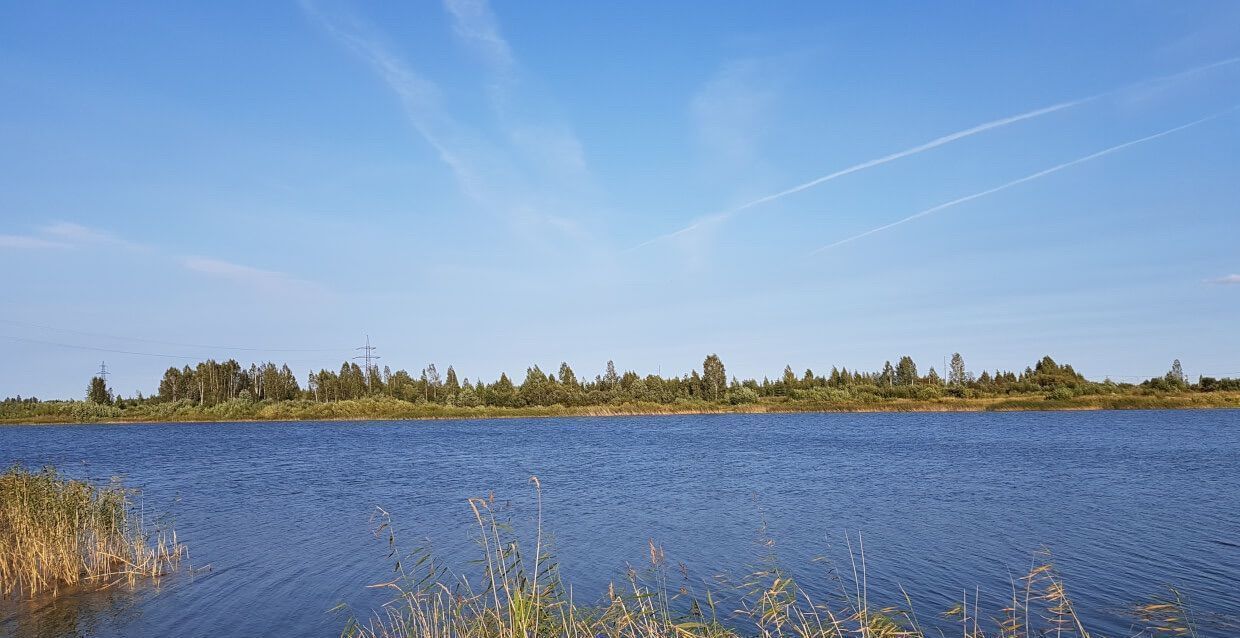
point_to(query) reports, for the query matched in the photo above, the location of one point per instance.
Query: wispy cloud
(77, 232)
(475, 24)
(716, 218)
(1225, 280)
(549, 145)
(62, 234)
(80, 235)
(227, 269)
(730, 110)
(28, 242)
(554, 147)
(256, 278)
(67, 235)
(1022, 180)
(502, 175)
(420, 98)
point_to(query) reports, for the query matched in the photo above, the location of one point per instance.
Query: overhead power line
(96, 349)
(74, 346)
(163, 343)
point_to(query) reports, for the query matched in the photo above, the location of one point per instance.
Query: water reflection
(73, 614)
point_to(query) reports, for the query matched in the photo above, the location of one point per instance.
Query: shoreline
(392, 410)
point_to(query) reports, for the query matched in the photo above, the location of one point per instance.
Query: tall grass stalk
(58, 533)
(514, 597)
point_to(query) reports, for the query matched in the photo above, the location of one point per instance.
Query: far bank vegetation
(214, 390)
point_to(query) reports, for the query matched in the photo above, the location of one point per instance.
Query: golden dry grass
(57, 533)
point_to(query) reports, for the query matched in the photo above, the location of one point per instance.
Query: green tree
(352, 381)
(628, 379)
(694, 385)
(467, 397)
(502, 392)
(742, 395)
(1175, 376)
(173, 386)
(1046, 365)
(98, 391)
(450, 385)
(906, 371)
(610, 378)
(888, 376)
(957, 375)
(567, 378)
(433, 383)
(534, 389)
(789, 380)
(714, 377)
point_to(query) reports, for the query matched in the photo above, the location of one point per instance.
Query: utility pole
(368, 356)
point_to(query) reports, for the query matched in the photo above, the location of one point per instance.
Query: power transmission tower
(368, 356)
(103, 371)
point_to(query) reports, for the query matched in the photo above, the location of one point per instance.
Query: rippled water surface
(277, 516)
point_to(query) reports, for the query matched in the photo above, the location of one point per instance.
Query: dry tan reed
(518, 598)
(58, 533)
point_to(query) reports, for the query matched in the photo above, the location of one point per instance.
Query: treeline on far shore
(214, 390)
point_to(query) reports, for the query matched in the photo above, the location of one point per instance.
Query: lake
(278, 516)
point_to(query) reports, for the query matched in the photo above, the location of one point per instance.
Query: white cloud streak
(63, 234)
(549, 146)
(502, 177)
(263, 280)
(78, 235)
(419, 97)
(1022, 180)
(70, 235)
(932, 144)
(1226, 280)
(729, 112)
(475, 24)
(76, 232)
(26, 242)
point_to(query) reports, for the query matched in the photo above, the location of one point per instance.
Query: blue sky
(492, 186)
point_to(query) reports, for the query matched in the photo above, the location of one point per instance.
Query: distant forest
(211, 383)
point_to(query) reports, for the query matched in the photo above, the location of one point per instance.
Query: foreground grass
(387, 408)
(519, 595)
(57, 533)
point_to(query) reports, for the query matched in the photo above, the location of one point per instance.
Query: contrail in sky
(1022, 180)
(935, 143)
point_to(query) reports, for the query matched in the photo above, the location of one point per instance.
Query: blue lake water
(278, 516)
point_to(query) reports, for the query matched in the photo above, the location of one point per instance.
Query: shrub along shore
(225, 391)
(387, 408)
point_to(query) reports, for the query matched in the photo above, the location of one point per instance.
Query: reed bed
(58, 533)
(519, 595)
